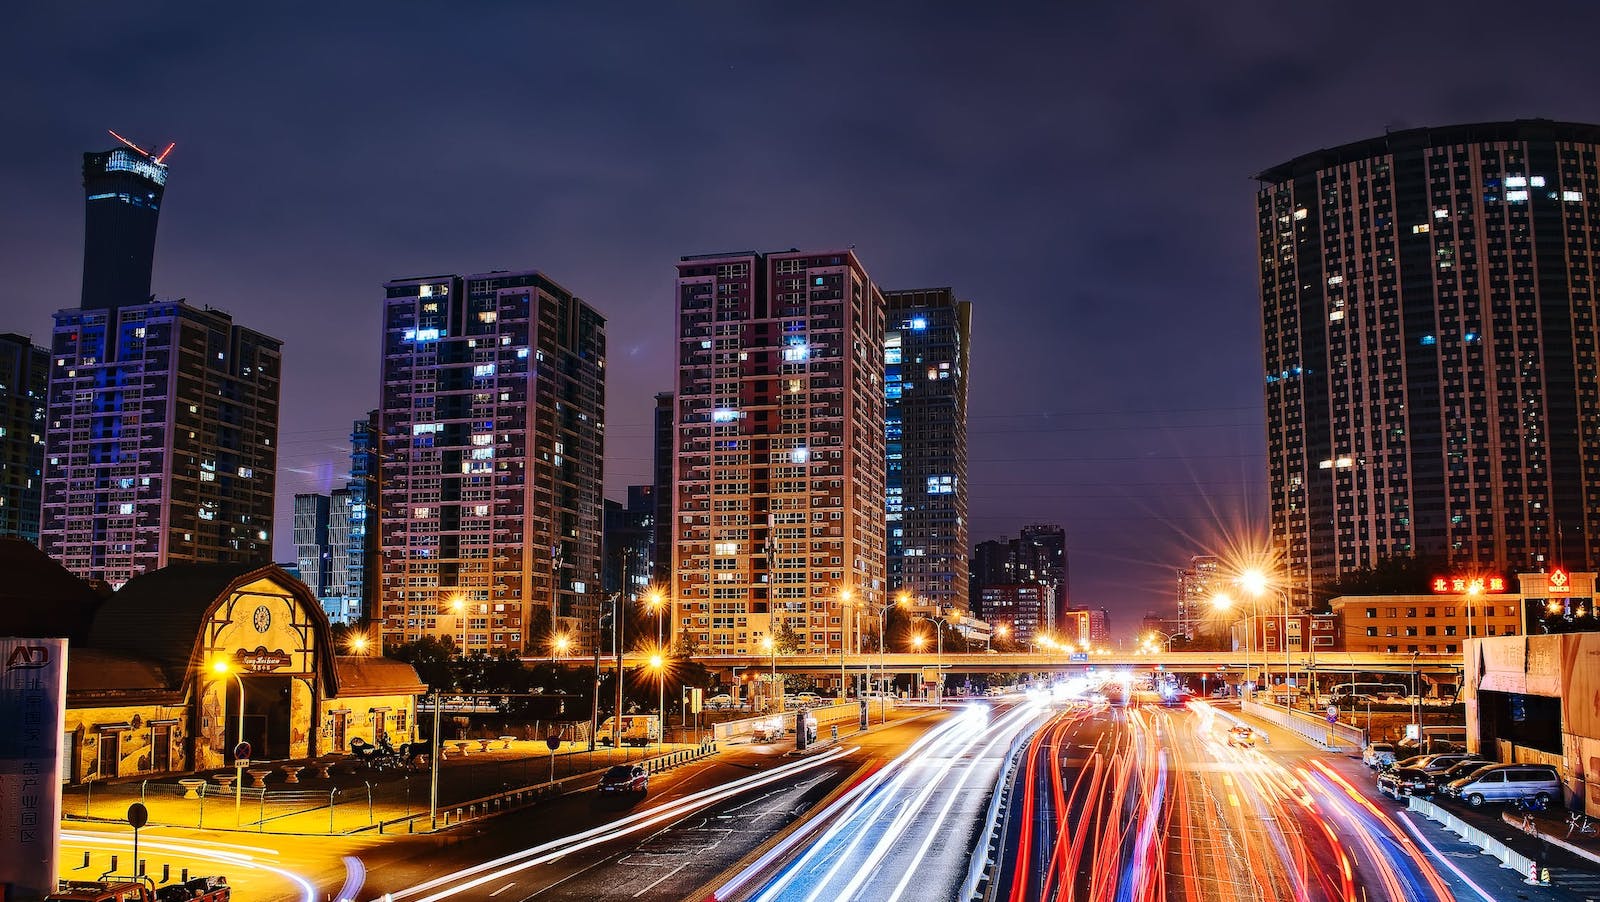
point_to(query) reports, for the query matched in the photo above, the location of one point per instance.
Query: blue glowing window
(724, 415)
(817, 281)
(891, 355)
(1471, 336)
(919, 323)
(1429, 340)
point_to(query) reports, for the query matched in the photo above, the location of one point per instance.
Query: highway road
(908, 830)
(1114, 804)
(694, 824)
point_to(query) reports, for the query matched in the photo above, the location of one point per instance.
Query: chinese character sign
(33, 699)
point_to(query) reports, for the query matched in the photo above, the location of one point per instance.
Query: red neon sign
(1468, 585)
(1559, 583)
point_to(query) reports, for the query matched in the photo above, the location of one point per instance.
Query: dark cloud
(1082, 173)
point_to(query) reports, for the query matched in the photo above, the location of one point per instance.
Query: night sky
(1083, 177)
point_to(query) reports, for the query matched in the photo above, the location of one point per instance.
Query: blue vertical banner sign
(33, 701)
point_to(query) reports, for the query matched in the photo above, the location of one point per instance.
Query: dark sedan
(1405, 781)
(625, 778)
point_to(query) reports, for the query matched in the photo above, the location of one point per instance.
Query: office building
(24, 383)
(1196, 585)
(925, 355)
(1026, 609)
(629, 533)
(353, 526)
(779, 501)
(123, 188)
(661, 492)
(492, 445)
(313, 556)
(1428, 312)
(162, 418)
(1039, 554)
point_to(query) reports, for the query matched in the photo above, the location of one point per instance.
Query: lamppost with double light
(221, 666)
(655, 603)
(938, 633)
(845, 595)
(659, 665)
(561, 643)
(1259, 584)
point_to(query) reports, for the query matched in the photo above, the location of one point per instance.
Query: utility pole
(616, 638)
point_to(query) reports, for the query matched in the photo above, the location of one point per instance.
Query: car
(625, 778)
(1458, 770)
(1443, 761)
(1508, 783)
(1399, 782)
(1242, 737)
(718, 702)
(1378, 755)
(767, 730)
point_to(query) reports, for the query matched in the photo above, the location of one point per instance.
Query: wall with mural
(135, 729)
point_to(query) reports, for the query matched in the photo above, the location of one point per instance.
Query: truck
(637, 729)
(141, 889)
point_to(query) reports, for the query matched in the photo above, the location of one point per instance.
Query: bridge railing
(1316, 729)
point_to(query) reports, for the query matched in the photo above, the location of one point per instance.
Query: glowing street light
(770, 645)
(562, 642)
(221, 667)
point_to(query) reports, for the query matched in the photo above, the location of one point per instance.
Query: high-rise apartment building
(779, 499)
(1430, 347)
(162, 419)
(925, 354)
(1196, 585)
(24, 382)
(493, 437)
(313, 556)
(1026, 608)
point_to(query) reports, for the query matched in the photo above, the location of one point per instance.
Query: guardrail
(460, 812)
(830, 715)
(1319, 731)
(979, 885)
(1508, 856)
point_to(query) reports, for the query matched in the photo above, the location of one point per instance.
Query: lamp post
(1223, 603)
(1000, 628)
(659, 665)
(844, 631)
(458, 604)
(221, 666)
(561, 643)
(655, 602)
(1258, 584)
(938, 633)
(771, 645)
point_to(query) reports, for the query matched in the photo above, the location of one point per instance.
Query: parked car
(1242, 737)
(625, 778)
(1399, 782)
(1507, 783)
(768, 730)
(1460, 769)
(636, 729)
(719, 702)
(1378, 755)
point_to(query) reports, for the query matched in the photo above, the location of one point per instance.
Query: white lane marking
(503, 888)
(1440, 856)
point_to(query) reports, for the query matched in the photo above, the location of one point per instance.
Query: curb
(1551, 838)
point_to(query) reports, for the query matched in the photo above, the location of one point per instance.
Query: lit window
(1441, 214)
(1572, 196)
(1336, 280)
(1517, 181)
(483, 370)
(1300, 213)
(724, 415)
(1335, 316)
(919, 323)
(1429, 339)
(1422, 229)
(1517, 196)
(795, 351)
(126, 509)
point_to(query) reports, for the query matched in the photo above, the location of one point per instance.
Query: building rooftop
(1512, 130)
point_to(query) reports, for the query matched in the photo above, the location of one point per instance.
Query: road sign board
(242, 750)
(1079, 657)
(138, 815)
(1333, 714)
(553, 741)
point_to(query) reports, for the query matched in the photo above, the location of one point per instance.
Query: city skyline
(1081, 257)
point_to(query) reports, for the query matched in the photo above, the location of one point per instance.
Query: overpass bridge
(1231, 665)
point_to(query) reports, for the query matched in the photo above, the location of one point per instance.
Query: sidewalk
(353, 797)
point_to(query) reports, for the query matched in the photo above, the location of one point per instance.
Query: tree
(788, 639)
(1390, 575)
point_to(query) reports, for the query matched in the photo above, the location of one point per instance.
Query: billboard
(33, 700)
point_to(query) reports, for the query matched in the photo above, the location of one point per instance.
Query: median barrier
(1509, 857)
(1315, 729)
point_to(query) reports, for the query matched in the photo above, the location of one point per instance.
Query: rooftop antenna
(162, 156)
(129, 143)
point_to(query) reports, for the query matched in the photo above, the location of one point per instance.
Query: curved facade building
(1428, 310)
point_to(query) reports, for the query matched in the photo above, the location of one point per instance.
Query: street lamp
(220, 666)
(458, 604)
(1224, 602)
(1258, 584)
(938, 632)
(659, 665)
(771, 646)
(561, 643)
(358, 644)
(655, 602)
(999, 628)
(845, 594)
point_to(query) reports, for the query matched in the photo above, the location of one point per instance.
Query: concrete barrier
(1508, 856)
(1316, 730)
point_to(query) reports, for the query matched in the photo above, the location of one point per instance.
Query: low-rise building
(156, 670)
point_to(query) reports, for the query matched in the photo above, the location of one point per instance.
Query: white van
(1508, 783)
(637, 729)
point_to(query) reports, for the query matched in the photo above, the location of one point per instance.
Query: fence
(1315, 729)
(830, 716)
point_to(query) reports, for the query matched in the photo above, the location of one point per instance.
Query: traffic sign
(1079, 657)
(553, 741)
(138, 815)
(242, 750)
(1333, 714)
